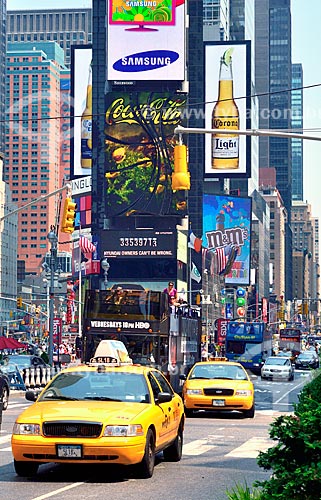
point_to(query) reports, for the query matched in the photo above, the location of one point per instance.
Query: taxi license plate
(69, 451)
(218, 402)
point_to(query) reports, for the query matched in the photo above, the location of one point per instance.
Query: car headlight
(123, 430)
(193, 391)
(242, 392)
(26, 429)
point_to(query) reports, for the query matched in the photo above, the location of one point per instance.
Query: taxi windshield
(218, 371)
(98, 386)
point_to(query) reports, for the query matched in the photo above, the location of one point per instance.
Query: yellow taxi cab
(107, 411)
(218, 385)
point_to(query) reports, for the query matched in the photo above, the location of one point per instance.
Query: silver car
(277, 367)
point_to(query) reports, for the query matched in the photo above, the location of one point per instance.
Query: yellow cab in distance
(218, 385)
(107, 412)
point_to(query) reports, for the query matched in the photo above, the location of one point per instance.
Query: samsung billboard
(228, 107)
(146, 40)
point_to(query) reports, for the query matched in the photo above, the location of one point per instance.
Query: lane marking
(197, 447)
(5, 439)
(60, 490)
(251, 448)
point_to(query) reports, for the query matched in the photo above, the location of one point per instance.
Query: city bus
(290, 339)
(154, 333)
(248, 343)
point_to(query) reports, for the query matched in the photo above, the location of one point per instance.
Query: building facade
(297, 127)
(33, 132)
(65, 26)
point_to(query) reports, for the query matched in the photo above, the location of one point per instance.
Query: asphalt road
(219, 451)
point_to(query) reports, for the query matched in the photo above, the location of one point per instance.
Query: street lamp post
(105, 265)
(53, 240)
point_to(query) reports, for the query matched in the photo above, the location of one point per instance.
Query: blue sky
(306, 45)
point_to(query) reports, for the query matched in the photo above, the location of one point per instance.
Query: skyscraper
(297, 126)
(33, 141)
(65, 26)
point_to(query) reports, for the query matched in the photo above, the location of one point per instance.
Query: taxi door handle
(170, 408)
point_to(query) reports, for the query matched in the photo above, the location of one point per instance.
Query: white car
(277, 367)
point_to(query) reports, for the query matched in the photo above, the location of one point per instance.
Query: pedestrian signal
(180, 177)
(68, 216)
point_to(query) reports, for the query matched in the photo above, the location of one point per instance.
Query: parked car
(4, 389)
(26, 361)
(277, 367)
(307, 360)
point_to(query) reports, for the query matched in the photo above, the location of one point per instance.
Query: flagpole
(190, 277)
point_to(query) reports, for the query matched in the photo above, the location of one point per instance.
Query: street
(219, 452)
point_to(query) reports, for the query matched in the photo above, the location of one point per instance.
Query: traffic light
(180, 177)
(68, 216)
(19, 302)
(300, 309)
(306, 308)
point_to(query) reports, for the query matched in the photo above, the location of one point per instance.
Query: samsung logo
(146, 61)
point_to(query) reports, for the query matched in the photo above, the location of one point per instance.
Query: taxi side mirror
(32, 395)
(164, 397)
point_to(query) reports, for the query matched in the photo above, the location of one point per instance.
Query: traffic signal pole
(35, 201)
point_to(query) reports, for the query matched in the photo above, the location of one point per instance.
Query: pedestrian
(172, 294)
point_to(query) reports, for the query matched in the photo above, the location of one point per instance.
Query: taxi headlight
(26, 429)
(242, 392)
(193, 391)
(123, 430)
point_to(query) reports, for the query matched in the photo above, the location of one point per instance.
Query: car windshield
(104, 386)
(276, 361)
(306, 355)
(218, 371)
(20, 360)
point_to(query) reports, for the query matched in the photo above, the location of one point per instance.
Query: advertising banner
(81, 123)
(146, 40)
(228, 107)
(146, 244)
(227, 236)
(139, 148)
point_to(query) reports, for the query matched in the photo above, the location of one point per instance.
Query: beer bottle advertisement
(227, 91)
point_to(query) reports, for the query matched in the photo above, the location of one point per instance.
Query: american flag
(221, 260)
(85, 245)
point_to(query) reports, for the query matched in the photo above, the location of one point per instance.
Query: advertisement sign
(228, 107)
(57, 330)
(146, 244)
(81, 88)
(146, 40)
(227, 236)
(139, 148)
(221, 325)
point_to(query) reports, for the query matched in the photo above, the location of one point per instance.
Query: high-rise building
(297, 126)
(3, 11)
(65, 26)
(33, 141)
(216, 19)
(273, 45)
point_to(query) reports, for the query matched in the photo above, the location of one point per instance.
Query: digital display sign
(145, 244)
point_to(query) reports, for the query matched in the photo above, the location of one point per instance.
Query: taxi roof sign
(111, 352)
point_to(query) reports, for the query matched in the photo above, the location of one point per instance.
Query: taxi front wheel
(146, 467)
(26, 469)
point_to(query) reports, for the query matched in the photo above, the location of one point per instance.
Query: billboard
(145, 244)
(228, 107)
(139, 148)
(81, 89)
(146, 40)
(227, 236)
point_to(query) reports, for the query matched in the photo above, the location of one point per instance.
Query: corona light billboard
(228, 107)
(146, 40)
(227, 236)
(139, 146)
(81, 112)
